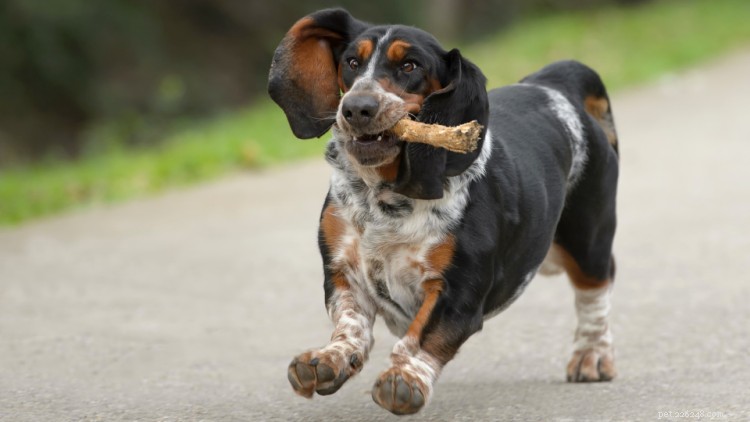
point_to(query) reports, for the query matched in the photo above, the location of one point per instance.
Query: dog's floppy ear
(424, 168)
(304, 73)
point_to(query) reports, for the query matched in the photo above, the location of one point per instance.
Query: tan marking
(334, 228)
(436, 261)
(340, 79)
(364, 49)
(397, 50)
(432, 289)
(413, 102)
(340, 281)
(313, 65)
(438, 258)
(441, 255)
(389, 172)
(598, 108)
(434, 85)
(579, 279)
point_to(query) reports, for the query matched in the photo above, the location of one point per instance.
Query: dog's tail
(580, 83)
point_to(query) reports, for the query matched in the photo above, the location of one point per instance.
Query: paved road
(189, 306)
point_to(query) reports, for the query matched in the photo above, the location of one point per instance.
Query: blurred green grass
(626, 46)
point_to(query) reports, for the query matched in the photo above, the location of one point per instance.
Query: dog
(436, 242)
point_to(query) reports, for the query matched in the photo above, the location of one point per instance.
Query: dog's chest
(388, 265)
(392, 275)
(394, 243)
(387, 251)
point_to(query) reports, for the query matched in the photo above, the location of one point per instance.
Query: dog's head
(331, 68)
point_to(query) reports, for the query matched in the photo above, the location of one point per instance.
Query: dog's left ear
(303, 79)
(424, 168)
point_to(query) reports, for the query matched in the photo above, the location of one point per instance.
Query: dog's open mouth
(383, 139)
(373, 149)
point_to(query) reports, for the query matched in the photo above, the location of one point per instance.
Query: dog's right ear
(303, 79)
(424, 168)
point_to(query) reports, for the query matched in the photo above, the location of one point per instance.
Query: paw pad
(398, 394)
(320, 374)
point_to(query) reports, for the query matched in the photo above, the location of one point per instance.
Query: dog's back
(436, 241)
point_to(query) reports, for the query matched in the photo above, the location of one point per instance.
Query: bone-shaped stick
(461, 139)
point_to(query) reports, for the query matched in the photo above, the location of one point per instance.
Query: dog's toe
(302, 377)
(398, 393)
(591, 365)
(329, 381)
(320, 372)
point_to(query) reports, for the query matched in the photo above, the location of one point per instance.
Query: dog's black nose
(359, 109)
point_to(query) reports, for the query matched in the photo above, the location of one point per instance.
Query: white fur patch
(390, 248)
(376, 55)
(570, 119)
(353, 315)
(592, 308)
(417, 363)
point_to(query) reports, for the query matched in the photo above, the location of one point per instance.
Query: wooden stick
(461, 139)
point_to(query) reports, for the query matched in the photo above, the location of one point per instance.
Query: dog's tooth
(354, 138)
(380, 138)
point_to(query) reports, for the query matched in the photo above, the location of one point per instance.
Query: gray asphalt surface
(189, 306)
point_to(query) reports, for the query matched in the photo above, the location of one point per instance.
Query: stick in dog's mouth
(462, 138)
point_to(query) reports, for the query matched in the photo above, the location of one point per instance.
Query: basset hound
(436, 242)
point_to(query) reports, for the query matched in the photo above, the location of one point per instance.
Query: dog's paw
(592, 365)
(322, 371)
(400, 392)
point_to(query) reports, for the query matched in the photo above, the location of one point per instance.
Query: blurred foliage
(79, 77)
(625, 46)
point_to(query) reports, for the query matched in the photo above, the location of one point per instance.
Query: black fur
(521, 206)
(424, 168)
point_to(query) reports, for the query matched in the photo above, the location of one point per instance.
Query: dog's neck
(365, 198)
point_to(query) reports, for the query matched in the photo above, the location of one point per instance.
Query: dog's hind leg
(583, 247)
(593, 355)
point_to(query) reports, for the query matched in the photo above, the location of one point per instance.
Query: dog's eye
(353, 64)
(408, 67)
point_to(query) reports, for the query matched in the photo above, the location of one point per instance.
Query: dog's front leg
(325, 370)
(433, 339)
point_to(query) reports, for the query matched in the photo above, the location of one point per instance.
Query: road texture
(189, 306)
